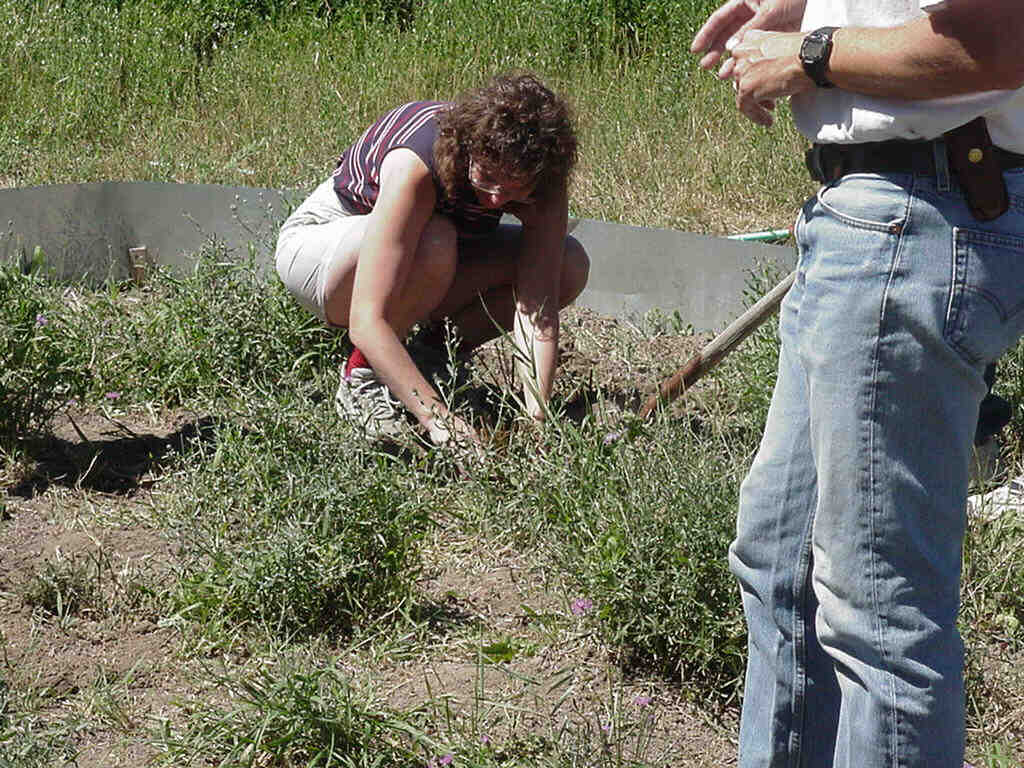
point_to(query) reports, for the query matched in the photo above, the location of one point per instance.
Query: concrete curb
(90, 230)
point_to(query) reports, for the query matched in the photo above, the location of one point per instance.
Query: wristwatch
(815, 51)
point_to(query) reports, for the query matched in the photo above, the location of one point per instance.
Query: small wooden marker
(138, 258)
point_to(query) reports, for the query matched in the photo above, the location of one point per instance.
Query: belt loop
(941, 165)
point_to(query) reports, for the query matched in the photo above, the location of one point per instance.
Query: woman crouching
(407, 231)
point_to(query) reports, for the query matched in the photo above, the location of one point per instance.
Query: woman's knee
(437, 255)
(575, 270)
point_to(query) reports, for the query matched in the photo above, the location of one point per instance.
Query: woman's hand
(454, 434)
(450, 429)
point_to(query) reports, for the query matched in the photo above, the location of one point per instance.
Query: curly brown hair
(514, 125)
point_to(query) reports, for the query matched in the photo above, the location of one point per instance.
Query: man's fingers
(754, 36)
(709, 60)
(758, 114)
(720, 25)
(759, 111)
(726, 70)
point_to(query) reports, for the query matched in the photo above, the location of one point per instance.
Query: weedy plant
(285, 526)
(617, 733)
(87, 584)
(288, 529)
(642, 526)
(28, 740)
(206, 335)
(283, 716)
(38, 373)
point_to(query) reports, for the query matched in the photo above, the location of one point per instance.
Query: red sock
(356, 360)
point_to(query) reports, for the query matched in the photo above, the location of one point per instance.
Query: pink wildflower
(582, 606)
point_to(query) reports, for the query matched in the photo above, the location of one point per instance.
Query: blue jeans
(852, 517)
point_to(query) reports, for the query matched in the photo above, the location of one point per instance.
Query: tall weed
(641, 526)
(39, 373)
(284, 716)
(287, 524)
(209, 334)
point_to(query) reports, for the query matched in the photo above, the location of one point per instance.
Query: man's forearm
(966, 49)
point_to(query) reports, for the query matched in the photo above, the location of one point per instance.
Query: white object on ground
(995, 504)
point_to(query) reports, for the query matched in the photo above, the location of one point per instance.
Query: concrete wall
(88, 229)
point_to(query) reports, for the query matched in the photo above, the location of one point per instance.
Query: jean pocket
(987, 294)
(866, 202)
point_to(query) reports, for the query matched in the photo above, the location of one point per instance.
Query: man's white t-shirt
(832, 115)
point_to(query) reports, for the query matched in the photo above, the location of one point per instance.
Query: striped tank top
(412, 126)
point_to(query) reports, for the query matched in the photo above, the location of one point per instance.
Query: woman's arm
(383, 277)
(537, 291)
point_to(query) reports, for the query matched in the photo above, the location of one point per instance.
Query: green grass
(309, 717)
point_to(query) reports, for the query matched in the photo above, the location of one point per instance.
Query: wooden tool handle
(716, 350)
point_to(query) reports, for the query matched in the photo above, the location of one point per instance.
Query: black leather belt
(827, 162)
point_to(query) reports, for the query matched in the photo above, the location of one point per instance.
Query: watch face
(812, 48)
(814, 55)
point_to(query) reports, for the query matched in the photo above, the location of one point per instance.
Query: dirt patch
(76, 557)
(524, 659)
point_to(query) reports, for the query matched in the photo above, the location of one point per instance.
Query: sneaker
(365, 400)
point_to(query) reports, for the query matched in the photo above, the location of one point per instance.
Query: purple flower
(582, 606)
(642, 701)
(113, 395)
(612, 437)
(446, 760)
(485, 740)
(41, 321)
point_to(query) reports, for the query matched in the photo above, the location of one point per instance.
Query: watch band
(815, 52)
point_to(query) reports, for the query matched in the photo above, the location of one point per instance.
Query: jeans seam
(800, 586)
(881, 625)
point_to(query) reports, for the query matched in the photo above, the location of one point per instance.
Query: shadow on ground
(120, 463)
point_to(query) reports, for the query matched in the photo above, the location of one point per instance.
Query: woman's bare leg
(429, 279)
(488, 271)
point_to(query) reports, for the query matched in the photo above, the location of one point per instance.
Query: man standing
(910, 282)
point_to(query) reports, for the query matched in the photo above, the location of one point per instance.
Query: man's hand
(766, 67)
(729, 23)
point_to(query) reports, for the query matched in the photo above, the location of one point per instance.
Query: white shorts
(319, 234)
